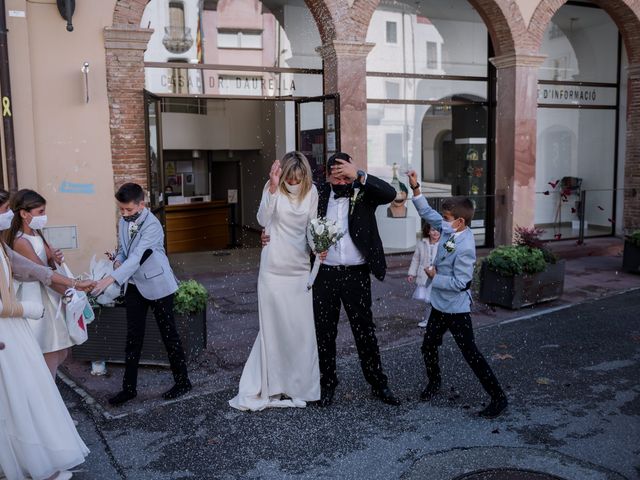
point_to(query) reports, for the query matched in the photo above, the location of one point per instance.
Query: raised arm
(267, 206)
(269, 195)
(424, 209)
(378, 191)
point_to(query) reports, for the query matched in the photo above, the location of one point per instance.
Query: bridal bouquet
(322, 234)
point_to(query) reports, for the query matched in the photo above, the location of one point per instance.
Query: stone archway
(626, 15)
(125, 44)
(343, 27)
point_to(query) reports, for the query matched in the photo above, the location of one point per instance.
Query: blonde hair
(295, 164)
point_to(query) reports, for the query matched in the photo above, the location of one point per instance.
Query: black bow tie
(343, 192)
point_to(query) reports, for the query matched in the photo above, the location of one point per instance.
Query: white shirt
(344, 252)
(129, 232)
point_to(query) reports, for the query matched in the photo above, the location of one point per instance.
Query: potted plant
(108, 332)
(631, 255)
(522, 274)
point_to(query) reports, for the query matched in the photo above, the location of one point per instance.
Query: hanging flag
(199, 38)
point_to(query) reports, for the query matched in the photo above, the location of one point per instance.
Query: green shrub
(634, 238)
(191, 298)
(530, 237)
(510, 260)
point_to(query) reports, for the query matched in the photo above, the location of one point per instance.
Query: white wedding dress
(282, 369)
(37, 435)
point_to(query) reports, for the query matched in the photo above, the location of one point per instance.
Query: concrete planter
(631, 258)
(108, 334)
(521, 290)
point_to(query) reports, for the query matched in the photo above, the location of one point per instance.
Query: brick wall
(632, 159)
(125, 46)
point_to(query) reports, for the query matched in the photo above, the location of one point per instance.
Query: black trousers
(137, 307)
(351, 287)
(459, 324)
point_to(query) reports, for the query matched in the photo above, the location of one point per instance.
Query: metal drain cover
(507, 474)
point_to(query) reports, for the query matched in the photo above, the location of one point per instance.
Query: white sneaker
(66, 475)
(423, 324)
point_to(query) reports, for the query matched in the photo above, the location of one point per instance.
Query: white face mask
(38, 223)
(450, 224)
(5, 219)
(295, 189)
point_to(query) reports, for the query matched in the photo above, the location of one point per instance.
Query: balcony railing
(177, 39)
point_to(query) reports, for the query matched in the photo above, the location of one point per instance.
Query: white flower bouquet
(322, 234)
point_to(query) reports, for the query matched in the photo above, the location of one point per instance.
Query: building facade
(530, 107)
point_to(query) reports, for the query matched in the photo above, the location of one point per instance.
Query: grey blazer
(153, 278)
(450, 292)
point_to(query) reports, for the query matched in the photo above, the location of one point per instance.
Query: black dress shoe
(431, 391)
(326, 397)
(122, 397)
(177, 390)
(495, 408)
(386, 395)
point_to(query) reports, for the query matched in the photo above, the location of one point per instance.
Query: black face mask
(132, 218)
(342, 190)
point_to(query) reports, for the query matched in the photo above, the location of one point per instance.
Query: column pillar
(125, 46)
(631, 195)
(345, 71)
(515, 151)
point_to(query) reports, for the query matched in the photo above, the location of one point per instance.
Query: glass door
(318, 131)
(155, 164)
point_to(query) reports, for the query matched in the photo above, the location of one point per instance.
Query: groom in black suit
(350, 197)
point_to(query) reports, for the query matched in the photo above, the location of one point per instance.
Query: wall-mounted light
(85, 74)
(66, 9)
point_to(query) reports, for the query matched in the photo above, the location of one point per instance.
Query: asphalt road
(573, 379)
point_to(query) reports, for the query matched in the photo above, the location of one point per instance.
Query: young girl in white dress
(282, 369)
(38, 439)
(25, 237)
(423, 258)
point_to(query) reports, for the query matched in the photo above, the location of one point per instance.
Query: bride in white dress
(282, 369)
(38, 439)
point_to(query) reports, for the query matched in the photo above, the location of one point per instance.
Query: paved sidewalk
(232, 316)
(571, 377)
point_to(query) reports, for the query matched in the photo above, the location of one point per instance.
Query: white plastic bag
(75, 306)
(101, 269)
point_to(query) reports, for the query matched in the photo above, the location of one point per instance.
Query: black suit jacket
(363, 226)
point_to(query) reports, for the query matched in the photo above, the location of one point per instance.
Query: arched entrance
(606, 113)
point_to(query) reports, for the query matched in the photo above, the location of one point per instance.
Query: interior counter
(193, 227)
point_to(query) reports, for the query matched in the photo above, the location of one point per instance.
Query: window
(392, 32)
(432, 55)
(240, 85)
(394, 148)
(184, 105)
(176, 15)
(179, 80)
(239, 39)
(392, 90)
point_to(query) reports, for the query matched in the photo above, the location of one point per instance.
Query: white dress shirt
(130, 233)
(344, 252)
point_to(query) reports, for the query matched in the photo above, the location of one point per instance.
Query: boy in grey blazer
(142, 267)
(451, 276)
